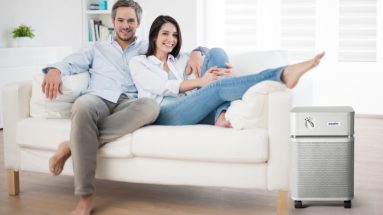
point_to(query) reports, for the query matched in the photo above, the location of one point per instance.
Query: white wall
(55, 22)
(58, 22)
(361, 89)
(183, 11)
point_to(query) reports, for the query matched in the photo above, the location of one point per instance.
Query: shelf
(97, 12)
(88, 16)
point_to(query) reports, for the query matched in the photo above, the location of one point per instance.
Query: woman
(160, 75)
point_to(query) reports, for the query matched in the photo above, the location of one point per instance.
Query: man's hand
(194, 64)
(52, 83)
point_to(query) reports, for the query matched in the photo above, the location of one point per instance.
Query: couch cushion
(201, 143)
(41, 107)
(252, 110)
(256, 61)
(47, 134)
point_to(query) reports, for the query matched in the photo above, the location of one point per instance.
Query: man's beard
(126, 39)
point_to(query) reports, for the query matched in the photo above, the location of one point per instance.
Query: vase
(23, 42)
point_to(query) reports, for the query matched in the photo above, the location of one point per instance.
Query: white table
(20, 64)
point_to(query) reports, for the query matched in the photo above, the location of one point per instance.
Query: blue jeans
(204, 105)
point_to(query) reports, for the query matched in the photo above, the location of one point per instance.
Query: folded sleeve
(75, 63)
(201, 49)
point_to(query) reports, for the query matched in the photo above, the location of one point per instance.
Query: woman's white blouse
(152, 81)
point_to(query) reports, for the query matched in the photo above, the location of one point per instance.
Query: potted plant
(23, 35)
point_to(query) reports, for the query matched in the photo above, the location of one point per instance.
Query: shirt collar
(170, 57)
(155, 60)
(112, 40)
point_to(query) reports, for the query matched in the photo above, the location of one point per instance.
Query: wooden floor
(45, 194)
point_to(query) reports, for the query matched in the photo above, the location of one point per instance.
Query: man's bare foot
(57, 161)
(292, 73)
(222, 121)
(84, 206)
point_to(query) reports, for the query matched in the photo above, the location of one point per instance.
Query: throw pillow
(251, 110)
(41, 107)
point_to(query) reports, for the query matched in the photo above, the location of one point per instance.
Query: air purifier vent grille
(323, 169)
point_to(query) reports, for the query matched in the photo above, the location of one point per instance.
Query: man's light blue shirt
(107, 64)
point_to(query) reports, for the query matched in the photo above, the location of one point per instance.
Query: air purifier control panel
(328, 121)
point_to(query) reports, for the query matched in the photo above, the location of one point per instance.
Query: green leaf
(22, 31)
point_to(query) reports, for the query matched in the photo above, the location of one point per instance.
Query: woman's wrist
(199, 82)
(191, 85)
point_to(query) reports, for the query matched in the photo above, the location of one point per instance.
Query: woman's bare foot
(222, 121)
(84, 206)
(292, 73)
(57, 161)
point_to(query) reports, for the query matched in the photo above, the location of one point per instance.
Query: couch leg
(13, 182)
(282, 203)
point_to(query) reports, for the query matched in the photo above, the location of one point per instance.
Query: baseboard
(368, 116)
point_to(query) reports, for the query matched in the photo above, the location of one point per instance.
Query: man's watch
(46, 69)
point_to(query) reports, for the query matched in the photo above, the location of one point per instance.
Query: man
(108, 109)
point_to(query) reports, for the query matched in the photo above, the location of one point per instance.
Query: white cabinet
(92, 30)
(20, 64)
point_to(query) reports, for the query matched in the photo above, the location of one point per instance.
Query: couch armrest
(16, 99)
(280, 103)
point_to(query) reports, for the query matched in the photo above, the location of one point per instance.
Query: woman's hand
(229, 70)
(194, 64)
(225, 72)
(210, 75)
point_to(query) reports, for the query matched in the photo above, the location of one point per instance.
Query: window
(240, 21)
(357, 30)
(232, 24)
(298, 28)
(350, 31)
(302, 27)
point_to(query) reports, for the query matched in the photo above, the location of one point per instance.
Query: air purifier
(322, 154)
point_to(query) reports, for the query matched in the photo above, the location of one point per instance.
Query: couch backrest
(243, 63)
(254, 62)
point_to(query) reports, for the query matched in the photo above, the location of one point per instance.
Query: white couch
(199, 155)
